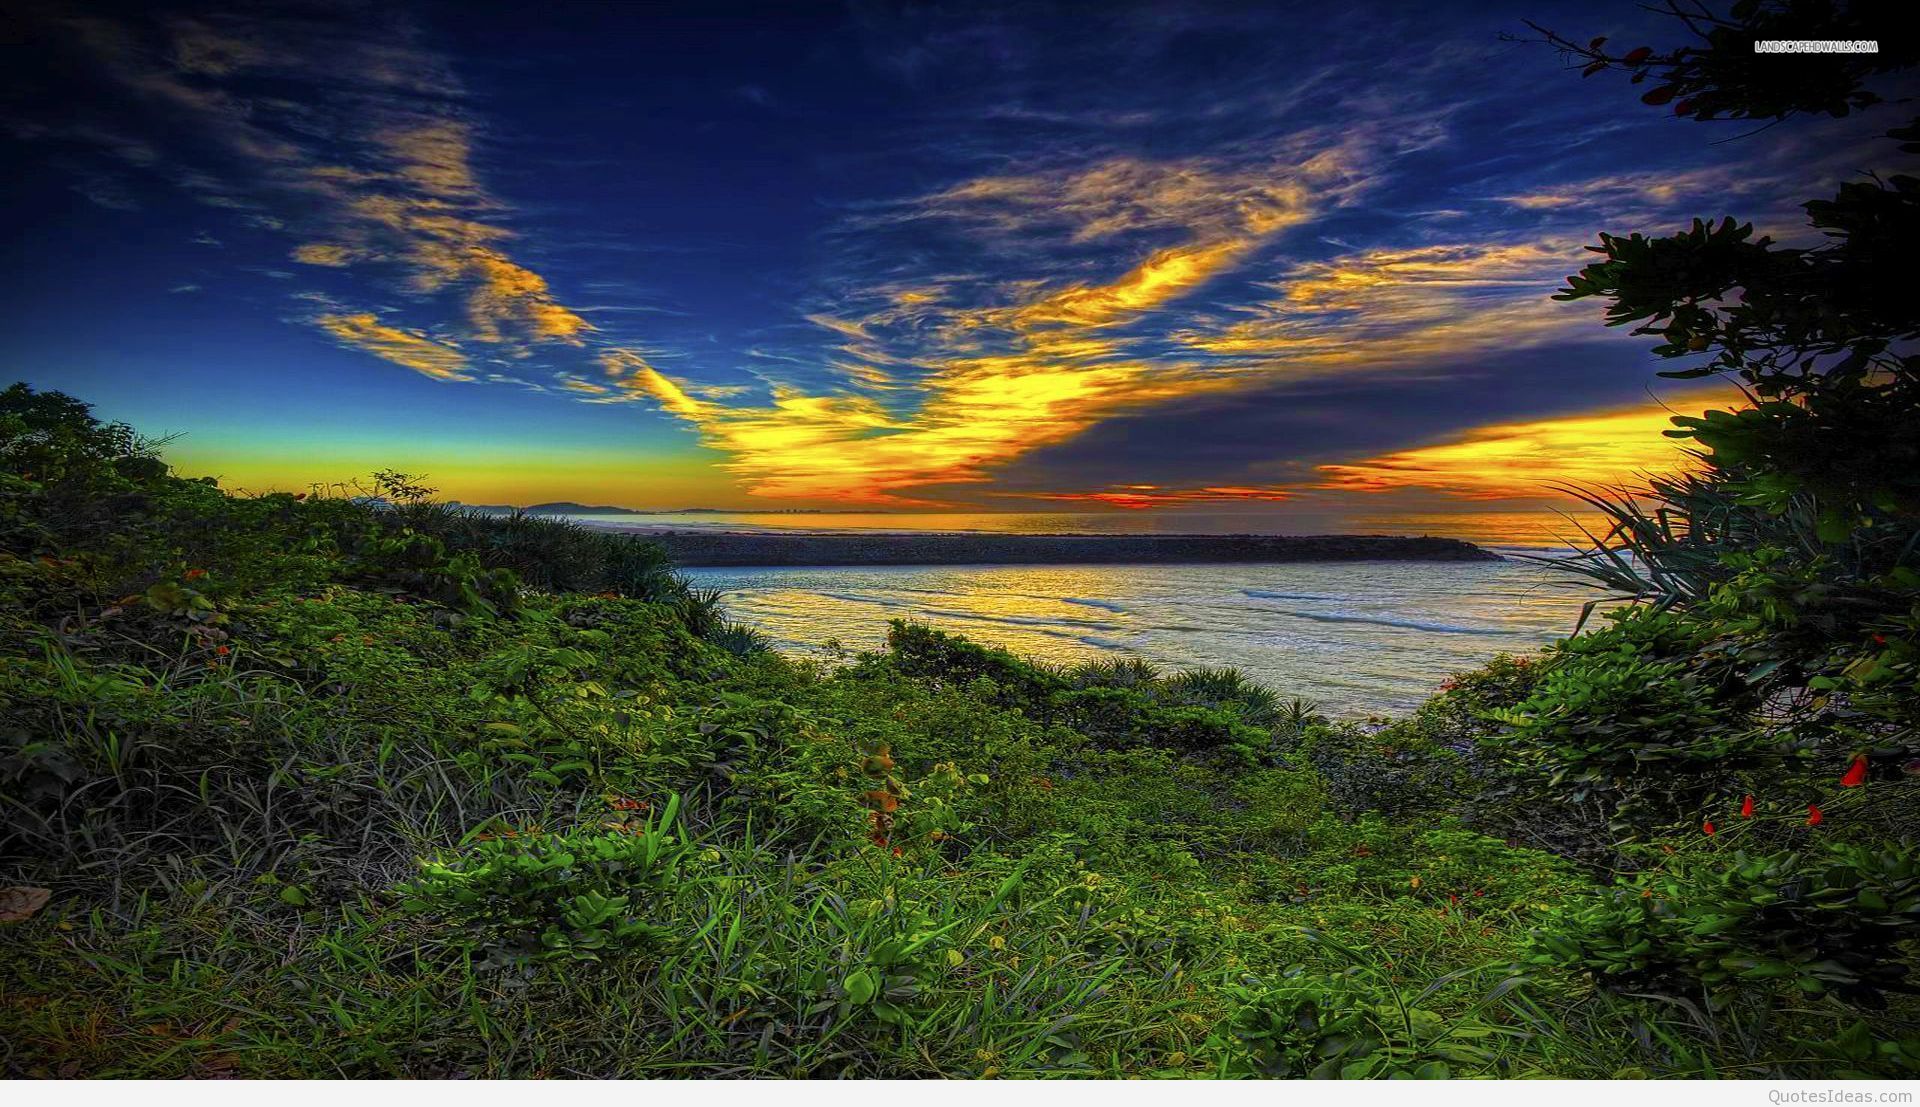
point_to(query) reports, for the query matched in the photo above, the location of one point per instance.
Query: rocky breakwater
(768, 549)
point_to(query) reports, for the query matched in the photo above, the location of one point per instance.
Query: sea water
(1359, 638)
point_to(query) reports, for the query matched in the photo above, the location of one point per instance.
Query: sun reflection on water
(1359, 637)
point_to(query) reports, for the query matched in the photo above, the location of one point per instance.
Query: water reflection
(1360, 638)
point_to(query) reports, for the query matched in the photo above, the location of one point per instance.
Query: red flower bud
(1708, 828)
(1746, 808)
(1814, 817)
(1856, 773)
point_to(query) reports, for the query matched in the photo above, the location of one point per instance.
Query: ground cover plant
(322, 786)
(355, 784)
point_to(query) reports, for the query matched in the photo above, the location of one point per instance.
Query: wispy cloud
(1143, 497)
(943, 388)
(372, 164)
(1069, 230)
(1633, 194)
(1392, 307)
(423, 355)
(1523, 460)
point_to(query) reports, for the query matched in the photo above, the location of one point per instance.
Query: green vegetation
(333, 785)
(325, 786)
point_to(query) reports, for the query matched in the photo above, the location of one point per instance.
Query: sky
(872, 256)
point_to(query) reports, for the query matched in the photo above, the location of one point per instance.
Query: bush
(576, 896)
(1355, 1025)
(1631, 716)
(1831, 918)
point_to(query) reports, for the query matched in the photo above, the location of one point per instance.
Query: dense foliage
(325, 786)
(1771, 681)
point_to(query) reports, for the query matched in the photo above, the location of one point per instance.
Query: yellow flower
(996, 942)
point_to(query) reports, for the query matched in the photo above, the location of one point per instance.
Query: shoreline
(700, 549)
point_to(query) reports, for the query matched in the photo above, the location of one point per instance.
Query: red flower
(1746, 808)
(222, 650)
(1814, 817)
(195, 574)
(1708, 828)
(1856, 773)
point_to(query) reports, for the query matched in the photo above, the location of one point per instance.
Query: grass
(316, 796)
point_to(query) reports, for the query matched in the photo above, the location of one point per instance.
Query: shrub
(1831, 918)
(542, 897)
(1630, 716)
(947, 660)
(1355, 1025)
(1391, 771)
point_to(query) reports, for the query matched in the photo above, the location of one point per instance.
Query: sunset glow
(1020, 275)
(1525, 460)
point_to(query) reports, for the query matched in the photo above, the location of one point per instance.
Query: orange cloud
(976, 412)
(408, 196)
(1384, 307)
(415, 351)
(1141, 497)
(1013, 377)
(1636, 195)
(1523, 460)
(1126, 195)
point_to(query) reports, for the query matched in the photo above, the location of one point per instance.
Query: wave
(853, 597)
(1566, 551)
(1103, 604)
(1409, 624)
(1057, 625)
(1263, 594)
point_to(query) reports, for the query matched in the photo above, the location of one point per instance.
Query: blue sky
(994, 256)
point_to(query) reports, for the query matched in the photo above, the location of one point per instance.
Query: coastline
(788, 549)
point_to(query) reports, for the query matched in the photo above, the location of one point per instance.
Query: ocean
(1358, 638)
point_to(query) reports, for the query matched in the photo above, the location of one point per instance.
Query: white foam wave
(1409, 624)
